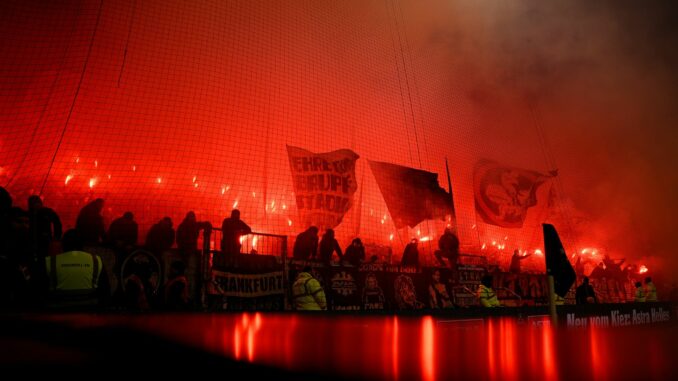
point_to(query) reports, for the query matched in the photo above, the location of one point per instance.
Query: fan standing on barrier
(306, 244)
(448, 246)
(232, 229)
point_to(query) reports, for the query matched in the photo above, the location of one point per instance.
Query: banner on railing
(470, 275)
(371, 287)
(616, 315)
(381, 286)
(247, 285)
(257, 282)
(531, 288)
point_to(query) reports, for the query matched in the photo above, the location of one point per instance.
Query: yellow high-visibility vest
(308, 294)
(487, 297)
(559, 300)
(651, 292)
(74, 277)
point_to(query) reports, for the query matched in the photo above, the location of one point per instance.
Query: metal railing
(254, 243)
(520, 299)
(472, 260)
(469, 295)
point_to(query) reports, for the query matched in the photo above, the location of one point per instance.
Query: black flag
(557, 263)
(411, 195)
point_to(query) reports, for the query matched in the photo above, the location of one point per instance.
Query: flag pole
(552, 302)
(360, 203)
(449, 186)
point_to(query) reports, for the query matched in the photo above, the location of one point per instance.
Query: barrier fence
(260, 277)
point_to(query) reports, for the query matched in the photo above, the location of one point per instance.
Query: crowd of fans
(40, 265)
(43, 267)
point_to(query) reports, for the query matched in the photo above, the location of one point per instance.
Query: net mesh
(161, 107)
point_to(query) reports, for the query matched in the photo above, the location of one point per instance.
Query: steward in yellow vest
(640, 293)
(559, 300)
(308, 295)
(650, 290)
(487, 296)
(76, 278)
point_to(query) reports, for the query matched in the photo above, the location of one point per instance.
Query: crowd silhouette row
(39, 262)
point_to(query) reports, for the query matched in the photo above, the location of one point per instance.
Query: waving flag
(324, 184)
(411, 195)
(504, 194)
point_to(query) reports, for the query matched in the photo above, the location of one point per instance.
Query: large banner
(411, 195)
(324, 184)
(503, 194)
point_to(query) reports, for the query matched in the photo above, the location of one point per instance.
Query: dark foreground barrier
(261, 282)
(256, 282)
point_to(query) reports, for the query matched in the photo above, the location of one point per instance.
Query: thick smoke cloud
(600, 80)
(462, 79)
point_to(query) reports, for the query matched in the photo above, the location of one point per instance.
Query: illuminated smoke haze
(409, 82)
